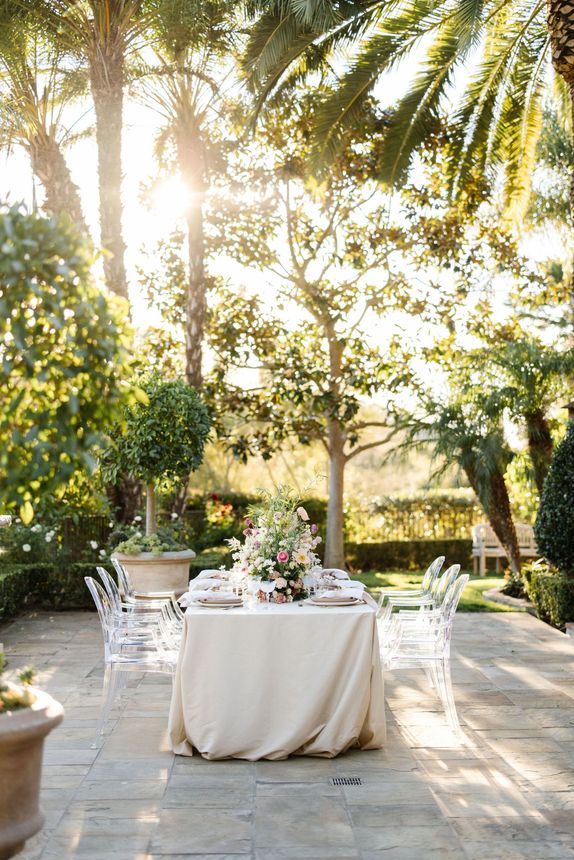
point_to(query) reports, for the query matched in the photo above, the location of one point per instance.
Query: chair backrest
(525, 536)
(441, 585)
(483, 535)
(124, 582)
(336, 572)
(431, 573)
(453, 595)
(104, 608)
(111, 589)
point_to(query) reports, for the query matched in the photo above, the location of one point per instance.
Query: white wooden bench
(485, 545)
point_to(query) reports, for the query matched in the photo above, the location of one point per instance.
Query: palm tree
(100, 33)
(527, 378)
(194, 49)
(33, 95)
(495, 123)
(463, 432)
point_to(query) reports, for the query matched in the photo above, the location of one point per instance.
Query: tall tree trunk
(335, 545)
(150, 510)
(49, 165)
(495, 503)
(107, 81)
(192, 164)
(540, 446)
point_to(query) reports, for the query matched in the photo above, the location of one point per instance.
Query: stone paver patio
(509, 795)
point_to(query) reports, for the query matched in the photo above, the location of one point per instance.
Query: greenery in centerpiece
(279, 544)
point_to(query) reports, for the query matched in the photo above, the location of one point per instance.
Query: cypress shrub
(554, 528)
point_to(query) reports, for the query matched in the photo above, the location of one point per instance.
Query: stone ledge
(520, 604)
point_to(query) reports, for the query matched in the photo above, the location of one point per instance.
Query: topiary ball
(554, 528)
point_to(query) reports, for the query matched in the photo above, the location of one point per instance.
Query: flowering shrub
(218, 513)
(37, 542)
(279, 545)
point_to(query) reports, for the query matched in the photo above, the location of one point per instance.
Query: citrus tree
(162, 438)
(64, 358)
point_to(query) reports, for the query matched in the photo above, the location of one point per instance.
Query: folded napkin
(337, 594)
(354, 584)
(211, 574)
(204, 584)
(206, 595)
(216, 597)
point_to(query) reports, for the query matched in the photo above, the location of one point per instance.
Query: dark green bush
(551, 592)
(407, 555)
(45, 586)
(554, 527)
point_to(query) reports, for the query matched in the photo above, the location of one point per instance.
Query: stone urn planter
(22, 734)
(151, 572)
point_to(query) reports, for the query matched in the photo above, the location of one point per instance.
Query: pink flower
(280, 582)
(247, 532)
(314, 529)
(303, 514)
(280, 598)
(282, 556)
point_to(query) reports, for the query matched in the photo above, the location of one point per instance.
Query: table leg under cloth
(277, 682)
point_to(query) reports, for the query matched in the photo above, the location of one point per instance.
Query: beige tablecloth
(270, 683)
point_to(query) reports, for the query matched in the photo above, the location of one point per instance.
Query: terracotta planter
(22, 736)
(166, 572)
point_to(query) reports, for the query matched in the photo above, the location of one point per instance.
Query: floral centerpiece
(279, 545)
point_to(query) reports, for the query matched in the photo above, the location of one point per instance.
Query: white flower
(48, 538)
(110, 525)
(301, 557)
(102, 553)
(26, 547)
(137, 519)
(174, 516)
(93, 544)
(36, 528)
(303, 514)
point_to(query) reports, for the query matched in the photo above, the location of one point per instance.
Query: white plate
(351, 601)
(211, 604)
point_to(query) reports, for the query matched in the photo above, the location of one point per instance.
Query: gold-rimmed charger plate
(349, 601)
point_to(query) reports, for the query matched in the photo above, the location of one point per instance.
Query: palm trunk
(540, 446)
(335, 545)
(192, 166)
(495, 503)
(107, 80)
(49, 165)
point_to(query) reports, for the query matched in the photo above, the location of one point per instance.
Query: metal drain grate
(346, 780)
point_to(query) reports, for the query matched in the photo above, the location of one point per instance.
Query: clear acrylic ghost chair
(422, 640)
(129, 615)
(430, 600)
(147, 600)
(428, 580)
(124, 652)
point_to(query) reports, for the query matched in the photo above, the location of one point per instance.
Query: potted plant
(161, 438)
(27, 716)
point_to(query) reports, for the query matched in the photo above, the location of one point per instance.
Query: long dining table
(270, 682)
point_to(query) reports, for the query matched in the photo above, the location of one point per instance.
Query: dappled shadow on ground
(507, 794)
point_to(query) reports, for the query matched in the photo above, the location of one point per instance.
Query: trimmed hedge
(551, 593)
(61, 586)
(45, 586)
(407, 555)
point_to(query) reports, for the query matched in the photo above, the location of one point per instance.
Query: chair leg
(430, 678)
(109, 691)
(444, 686)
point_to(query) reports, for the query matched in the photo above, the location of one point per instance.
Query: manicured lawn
(472, 599)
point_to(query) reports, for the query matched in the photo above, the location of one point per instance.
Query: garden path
(507, 796)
